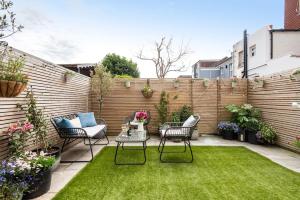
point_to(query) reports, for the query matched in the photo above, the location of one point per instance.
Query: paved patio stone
(65, 172)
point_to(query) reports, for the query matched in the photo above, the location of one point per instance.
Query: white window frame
(252, 50)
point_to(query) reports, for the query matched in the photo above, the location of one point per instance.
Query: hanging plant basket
(147, 91)
(11, 88)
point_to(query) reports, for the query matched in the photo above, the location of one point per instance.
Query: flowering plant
(14, 178)
(297, 142)
(18, 134)
(141, 116)
(19, 174)
(228, 126)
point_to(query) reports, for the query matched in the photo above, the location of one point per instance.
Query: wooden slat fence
(208, 102)
(275, 100)
(54, 96)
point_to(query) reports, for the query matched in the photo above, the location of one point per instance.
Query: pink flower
(298, 138)
(14, 127)
(141, 116)
(27, 126)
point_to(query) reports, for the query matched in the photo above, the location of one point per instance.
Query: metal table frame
(131, 140)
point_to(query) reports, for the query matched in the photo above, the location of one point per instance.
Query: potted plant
(259, 83)
(12, 80)
(266, 134)
(68, 75)
(176, 83)
(233, 83)
(127, 79)
(252, 132)
(228, 130)
(246, 117)
(41, 173)
(206, 82)
(147, 91)
(296, 75)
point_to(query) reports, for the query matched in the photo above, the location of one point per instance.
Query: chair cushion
(189, 122)
(173, 132)
(76, 123)
(64, 123)
(87, 119)
(93, 131)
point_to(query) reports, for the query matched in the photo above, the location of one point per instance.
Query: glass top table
(134, 137)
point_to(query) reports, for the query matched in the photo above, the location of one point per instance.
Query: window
(253, 50)
(241, 59)
(298, 7)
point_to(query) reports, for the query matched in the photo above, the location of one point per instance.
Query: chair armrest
(102, 121)
(72, 132)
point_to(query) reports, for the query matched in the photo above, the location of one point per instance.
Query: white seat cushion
(92, 131)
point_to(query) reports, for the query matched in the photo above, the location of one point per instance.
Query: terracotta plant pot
(11, 88)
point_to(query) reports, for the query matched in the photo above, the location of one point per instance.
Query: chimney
(292, 14)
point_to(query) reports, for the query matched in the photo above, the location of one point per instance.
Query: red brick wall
(292, 14)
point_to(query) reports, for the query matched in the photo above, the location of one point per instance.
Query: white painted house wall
(286, 52)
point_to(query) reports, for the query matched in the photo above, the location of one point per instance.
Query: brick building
(292, 14)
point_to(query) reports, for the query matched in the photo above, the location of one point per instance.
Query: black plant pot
(251, 136)
(41, 185)
(229, 135)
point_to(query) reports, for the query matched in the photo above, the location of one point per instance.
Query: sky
(84, 31)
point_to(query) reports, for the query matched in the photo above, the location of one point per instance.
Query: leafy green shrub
(185, 112)
(175, 117)
(267, 133)
(163, 107)
(125, 76)
(246, 116)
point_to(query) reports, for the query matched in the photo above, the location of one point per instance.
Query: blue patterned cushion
(87, 119)
(64, 123)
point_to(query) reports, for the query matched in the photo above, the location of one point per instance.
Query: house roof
(79, 65)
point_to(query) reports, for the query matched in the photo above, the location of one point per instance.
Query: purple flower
(228, 126)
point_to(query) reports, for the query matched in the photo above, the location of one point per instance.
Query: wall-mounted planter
(233, 84)
(206, 83)
(259, 83)
(147, 91)
(176, 83)
(11, 88)
(68, 76)
(127, 83)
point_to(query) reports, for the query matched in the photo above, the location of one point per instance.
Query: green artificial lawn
(216, 173)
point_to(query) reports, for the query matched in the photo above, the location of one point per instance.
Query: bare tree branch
(165, 60)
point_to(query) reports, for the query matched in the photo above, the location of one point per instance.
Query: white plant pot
(233, 84)
(127, 84)
(140, 126)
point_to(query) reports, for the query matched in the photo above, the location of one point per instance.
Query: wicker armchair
(176, 130)
(70, 135)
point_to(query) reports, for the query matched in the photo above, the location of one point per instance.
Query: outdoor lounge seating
(96, 132)
(178, 130)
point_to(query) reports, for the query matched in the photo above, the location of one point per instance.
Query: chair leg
(95, 143)
(186, 143)
(91, 148)
(63, 146)
(159, 144)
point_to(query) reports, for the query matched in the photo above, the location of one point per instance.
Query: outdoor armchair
(178, 130)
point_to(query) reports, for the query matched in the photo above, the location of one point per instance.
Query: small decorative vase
(140, 126)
